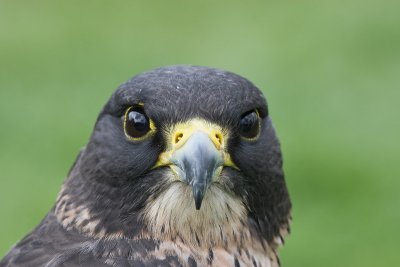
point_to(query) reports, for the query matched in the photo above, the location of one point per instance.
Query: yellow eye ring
(137, 125)
(250, 125)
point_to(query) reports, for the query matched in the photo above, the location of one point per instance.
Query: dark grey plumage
(104, 213)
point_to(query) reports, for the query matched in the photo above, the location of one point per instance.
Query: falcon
(183, 168)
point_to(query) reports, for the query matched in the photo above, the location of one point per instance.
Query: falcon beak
(196, 157)
(196, 163)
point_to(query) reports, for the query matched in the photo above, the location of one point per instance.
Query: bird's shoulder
(49, 244)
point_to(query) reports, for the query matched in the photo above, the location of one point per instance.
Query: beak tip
(198, 195)
(198, 205)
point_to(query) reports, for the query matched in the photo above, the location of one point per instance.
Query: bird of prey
(183, 168)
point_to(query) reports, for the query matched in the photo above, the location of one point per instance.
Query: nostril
(178, 137)
(218, 136)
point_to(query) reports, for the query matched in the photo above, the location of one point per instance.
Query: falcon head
(180, 152)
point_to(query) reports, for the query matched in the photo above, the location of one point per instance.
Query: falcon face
(185, 158)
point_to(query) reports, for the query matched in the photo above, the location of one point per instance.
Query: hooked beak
(196, 163)
(196, 156)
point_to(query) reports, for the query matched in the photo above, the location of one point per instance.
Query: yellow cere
(178, 134)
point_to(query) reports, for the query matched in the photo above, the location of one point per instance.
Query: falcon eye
(249, 125)
(136, 123)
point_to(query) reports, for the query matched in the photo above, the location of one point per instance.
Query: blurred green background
(330, 71)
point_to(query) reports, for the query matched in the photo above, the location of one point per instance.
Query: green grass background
(330, 71)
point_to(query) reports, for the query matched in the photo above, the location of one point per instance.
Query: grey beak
(197, 161)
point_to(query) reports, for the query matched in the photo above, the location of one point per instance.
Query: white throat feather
(220, 220)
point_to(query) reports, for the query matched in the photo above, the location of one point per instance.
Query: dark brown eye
(136, 122)
(249, 125)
